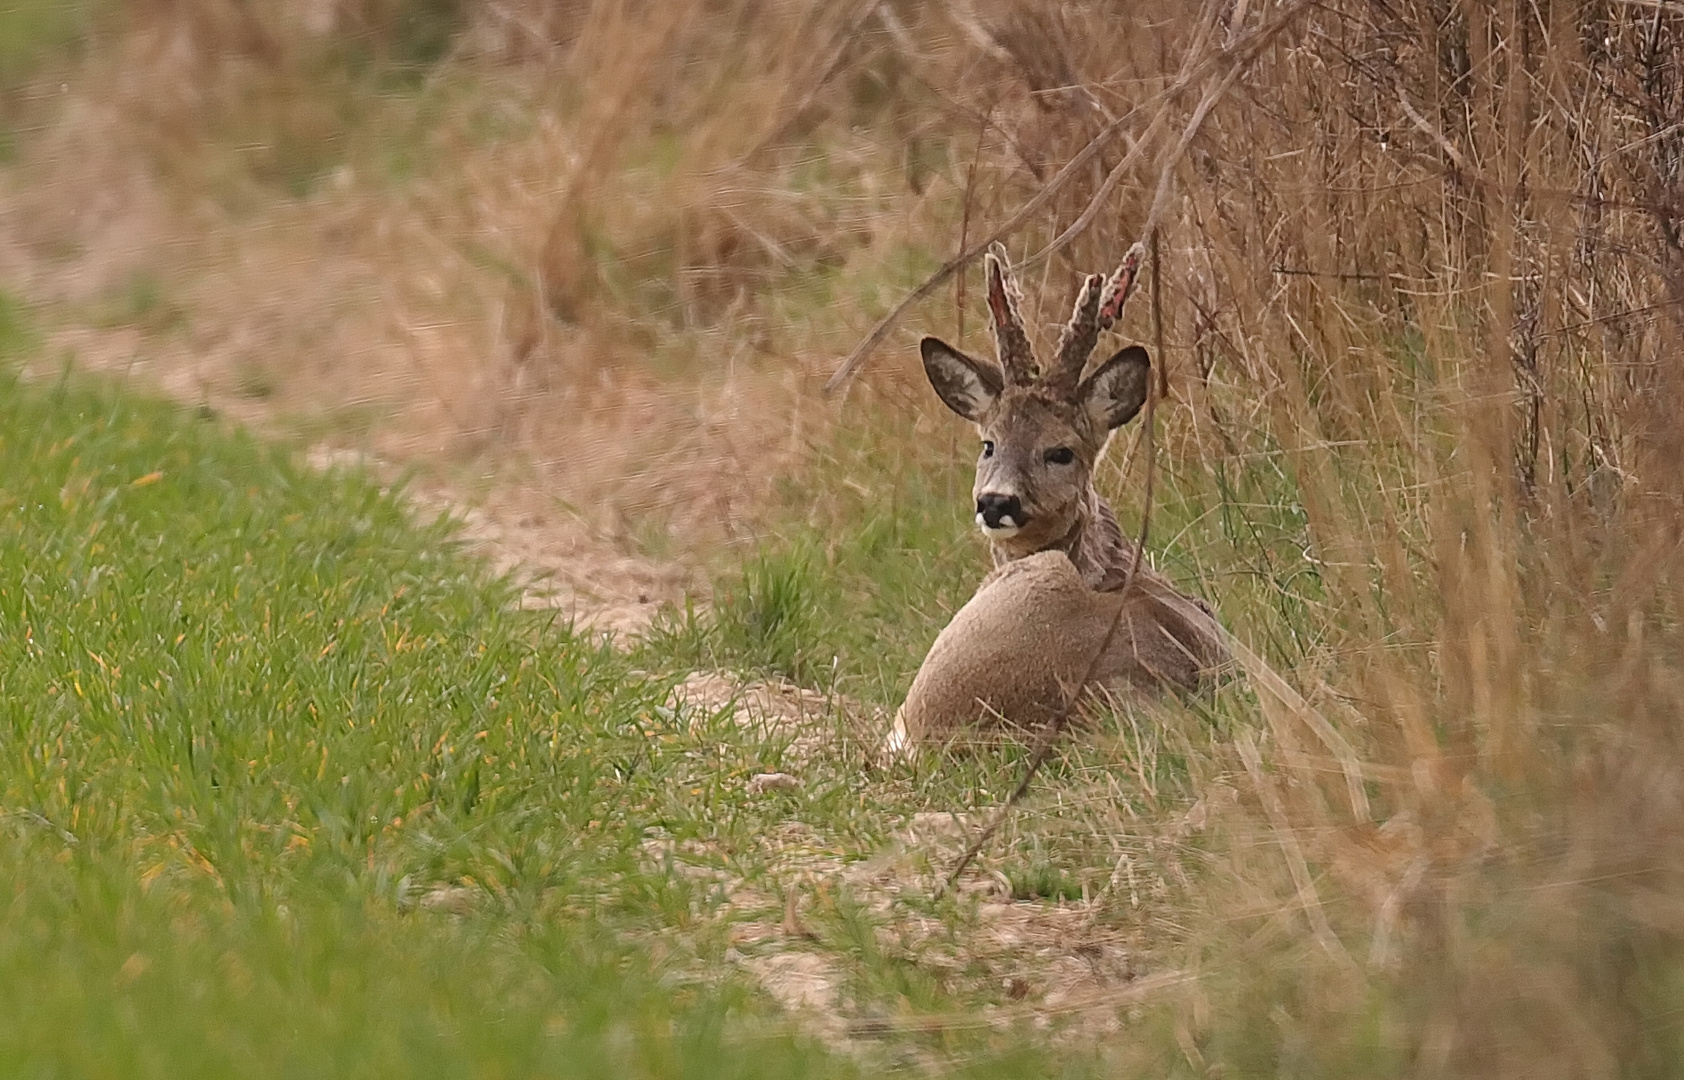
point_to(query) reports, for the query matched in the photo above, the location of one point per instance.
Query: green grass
(141, 301)
(35, 32)
(873, 550)
(872, 555)
(18, 335)
(253, 715)
(258, 721)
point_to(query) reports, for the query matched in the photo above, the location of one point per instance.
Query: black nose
(1000, 511)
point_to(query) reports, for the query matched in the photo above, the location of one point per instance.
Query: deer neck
(1094, 543)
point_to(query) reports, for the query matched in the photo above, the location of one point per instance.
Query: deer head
(1042, 433)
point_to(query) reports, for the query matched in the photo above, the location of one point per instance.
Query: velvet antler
(1098, 307)
(1017, 361)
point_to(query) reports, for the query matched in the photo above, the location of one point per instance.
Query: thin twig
(1055, 727)
(844, 41)
(1090, 212)
(970, 254)
(1432, 133)
(965, 228)
(1331, 275)
(1241, 53)
(1160, 201)
(1296, 863)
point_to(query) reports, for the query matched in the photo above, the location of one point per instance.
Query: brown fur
(1013, 653)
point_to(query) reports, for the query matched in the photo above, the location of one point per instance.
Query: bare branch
(1239, 54)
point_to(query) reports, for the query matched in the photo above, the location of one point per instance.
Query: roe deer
(1014, 651)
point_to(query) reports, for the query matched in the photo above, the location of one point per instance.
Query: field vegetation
(281, 748)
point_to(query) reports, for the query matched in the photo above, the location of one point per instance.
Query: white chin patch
(1004, 531)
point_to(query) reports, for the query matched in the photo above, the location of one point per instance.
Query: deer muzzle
(999, 515)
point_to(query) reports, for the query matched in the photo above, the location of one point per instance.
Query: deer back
(1012, 656)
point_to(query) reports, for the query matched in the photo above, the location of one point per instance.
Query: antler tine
(1016, 359)
(1098, 307)
(1121, 284)
(1080, 335)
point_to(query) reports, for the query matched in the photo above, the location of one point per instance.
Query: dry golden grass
(1422, 256)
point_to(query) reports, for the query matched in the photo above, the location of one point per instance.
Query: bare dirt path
(561, 562)
(352, 323)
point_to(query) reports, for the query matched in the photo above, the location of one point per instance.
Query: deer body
(1064, 572)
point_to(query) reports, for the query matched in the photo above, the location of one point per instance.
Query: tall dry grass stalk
(1433, 246)
(1424, 255)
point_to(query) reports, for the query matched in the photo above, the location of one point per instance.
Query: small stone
(760, 783)
(450, 899)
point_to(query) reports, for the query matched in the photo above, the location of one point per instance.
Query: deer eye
(1061, 455)
(988, 448)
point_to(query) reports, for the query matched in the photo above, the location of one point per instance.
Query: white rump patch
(899, 743)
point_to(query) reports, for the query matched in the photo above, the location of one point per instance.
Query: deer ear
(1117, 388)
(966, 386)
